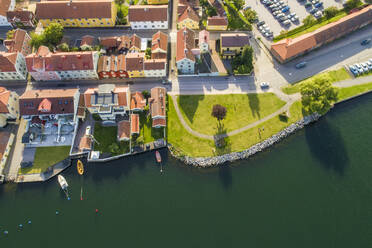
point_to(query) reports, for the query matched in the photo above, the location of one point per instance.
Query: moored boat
(80, 167)
(62, 182)
(158, 157)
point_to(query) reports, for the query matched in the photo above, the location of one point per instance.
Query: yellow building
(217, 23)
(187, 18)
(91, 13)
(157, 1)
(232, 44)
(135, 64)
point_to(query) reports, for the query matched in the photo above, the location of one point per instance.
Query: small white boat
(62, 182)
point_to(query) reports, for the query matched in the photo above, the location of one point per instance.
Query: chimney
(36, 94)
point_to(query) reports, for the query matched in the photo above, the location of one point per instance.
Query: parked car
(285, 9)
(260, 23)
(286, 22)
(295, 18)
(280, 15)
(314, 2)
(87, 130)
(318, 14)
(264, 85)
(318, 5)
(301, 65)
(308, 5)
(284, 18)
(313, 11)
(365, 42)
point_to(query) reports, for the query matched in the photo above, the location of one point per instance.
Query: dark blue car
(301, 65)
(318, 5)
(285, 9)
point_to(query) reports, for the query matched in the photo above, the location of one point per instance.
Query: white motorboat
(62, 182)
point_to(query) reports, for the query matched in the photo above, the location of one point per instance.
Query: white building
(47, 66)
(9, 106)
(6, 5)
(185, 58)
(12, 66)
(203, 41)
(155, 68)
(148, 16)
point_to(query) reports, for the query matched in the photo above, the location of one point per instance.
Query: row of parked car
(280, 11)
(264, 29)
(314, 7)
(361, 68)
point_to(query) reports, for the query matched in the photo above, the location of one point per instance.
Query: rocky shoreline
(217, 160)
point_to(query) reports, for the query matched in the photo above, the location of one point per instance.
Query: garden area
(331, 76)
(107, 140)
(243, 63)
(236, 20)
(242, 109)
(147, 133)
(348, 92)
(46, 157)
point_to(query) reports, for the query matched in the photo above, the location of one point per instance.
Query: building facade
(185, 59)
(47, 66)
(187, 18)
(6, 5)
(158, 107)
(21, 18)
(9, 106)
(232, 44)
(12, 66)
(157, 2)
(204, 41)
(95, 13)
(217, 23)
(155, 68)
(134, 64)
(112, 67)
(159, 46)
(148, 16)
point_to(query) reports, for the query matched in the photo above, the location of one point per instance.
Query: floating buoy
(29, 222)
(68, 198)
(80, 167)
(96, 210)
(5, 232)
(20, 225)
(57, 212)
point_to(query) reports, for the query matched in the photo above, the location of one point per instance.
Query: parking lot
(296, 7)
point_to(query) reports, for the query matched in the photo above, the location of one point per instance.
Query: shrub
(330, 12)
(309, 20)
(63, 47)
(351, 4)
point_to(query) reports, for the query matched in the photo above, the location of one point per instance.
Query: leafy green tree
(10, 34)
(211, 11)
(219, 112)
(250, 14)
(318, 96)
(36, 40)
(309, 20)
(114, 148)
(239, 4)
(243, 63)
(86, 47)
(146, 94)
(119, 2)
(351, 4)
(331, 12)
(53, 34)
(148, 53)
(63, 47)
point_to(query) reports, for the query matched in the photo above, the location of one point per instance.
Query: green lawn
(304, 30)
(332, 76)
(242, 109)
(353, 90)
(107, 138)
(148, 133)
(46, 157)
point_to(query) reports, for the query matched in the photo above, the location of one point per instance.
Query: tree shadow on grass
(254, 104)
(189, 104)
(327, 146)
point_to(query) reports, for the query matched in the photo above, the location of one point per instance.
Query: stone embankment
(217, 160)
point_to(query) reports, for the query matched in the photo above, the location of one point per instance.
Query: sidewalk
(355, 81)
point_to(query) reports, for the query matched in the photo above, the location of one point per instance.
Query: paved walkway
(355, 81)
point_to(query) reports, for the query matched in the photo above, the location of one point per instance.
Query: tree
(36, 40)
(239, 4)
(53, 34)
(211, 11)
(86, 47)
(351, 4)
(309, 20)
(145, 94)
(10, 34)
(318, 96)
(331, 12)
(219, 112)
(119, 2)
(243, 64)
(250, 14)
(148, 53)
(63, 47)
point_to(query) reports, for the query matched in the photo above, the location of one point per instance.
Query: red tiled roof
(188, 13)
(74, 9)
(20, 16)
(158, 95)
(45, 105)
(155, 64)
(111, 63)
(61, 101)
(159, 41)
(4, 98)
(20, 37)
(81, 107)
(124, 129)
(217, 21)
(289, 48)
(85, 143)
(185, 42)
(87, 40)
(159, 123)
(8, 61)
(135, 123)
(60, 61)
(109, 42)
(120, 91)
(137, 101)
(134, 61)
(4, 6)
(148, 13)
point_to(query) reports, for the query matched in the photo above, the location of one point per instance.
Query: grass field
(242, 109)
(353, 91)
(332, 76)
(148, 133)
(107, 136)
(46, 157)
